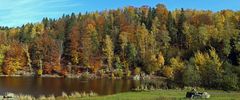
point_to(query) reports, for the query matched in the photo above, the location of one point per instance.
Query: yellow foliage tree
(108, 50)
(176, 64)
(160, 59)
(201, 60)
(168, 72)
(210, 67)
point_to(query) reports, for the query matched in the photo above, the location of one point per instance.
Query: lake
(47, 86)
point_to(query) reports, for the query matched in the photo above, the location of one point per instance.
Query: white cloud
(18, 12)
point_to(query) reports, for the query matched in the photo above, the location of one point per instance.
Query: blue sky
(18, 12)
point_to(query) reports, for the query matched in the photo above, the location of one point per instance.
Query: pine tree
(180, 33)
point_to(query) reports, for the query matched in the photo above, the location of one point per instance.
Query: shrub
(137, 71)
(119, 73)
(128, 73)
(118, 63)
(155, 83)
(85, 75)
(191, 76)
(112, 75)
(101, 72)
(47, 68)
(230, 81)
(57, 68)
(64, 72)
(39, 72)
(168, 72)
(191, 88)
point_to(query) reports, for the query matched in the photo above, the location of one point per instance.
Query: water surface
(47, 86)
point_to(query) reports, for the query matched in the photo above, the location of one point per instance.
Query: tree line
(189, 47)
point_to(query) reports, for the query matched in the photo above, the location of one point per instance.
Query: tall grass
(64, 96)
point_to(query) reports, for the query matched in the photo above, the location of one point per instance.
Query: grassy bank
(146, 95)
(164, 95)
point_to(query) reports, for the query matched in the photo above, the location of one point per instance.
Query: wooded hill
(189, 47)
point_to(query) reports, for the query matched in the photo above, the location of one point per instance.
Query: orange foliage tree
(15, 59)
(45, 50)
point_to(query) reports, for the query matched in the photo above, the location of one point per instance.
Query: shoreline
(81, 76)
(68, 77)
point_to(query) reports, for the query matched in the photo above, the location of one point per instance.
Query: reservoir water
(47, 86)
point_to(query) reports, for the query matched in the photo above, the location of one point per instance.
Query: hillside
(188, 47)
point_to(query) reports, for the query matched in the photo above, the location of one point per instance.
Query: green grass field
(164, 95)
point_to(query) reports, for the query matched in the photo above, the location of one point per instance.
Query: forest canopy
(189, 47)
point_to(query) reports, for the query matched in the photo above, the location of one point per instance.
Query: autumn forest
(187, 47)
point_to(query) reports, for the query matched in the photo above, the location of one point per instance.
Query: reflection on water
(48, 86)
